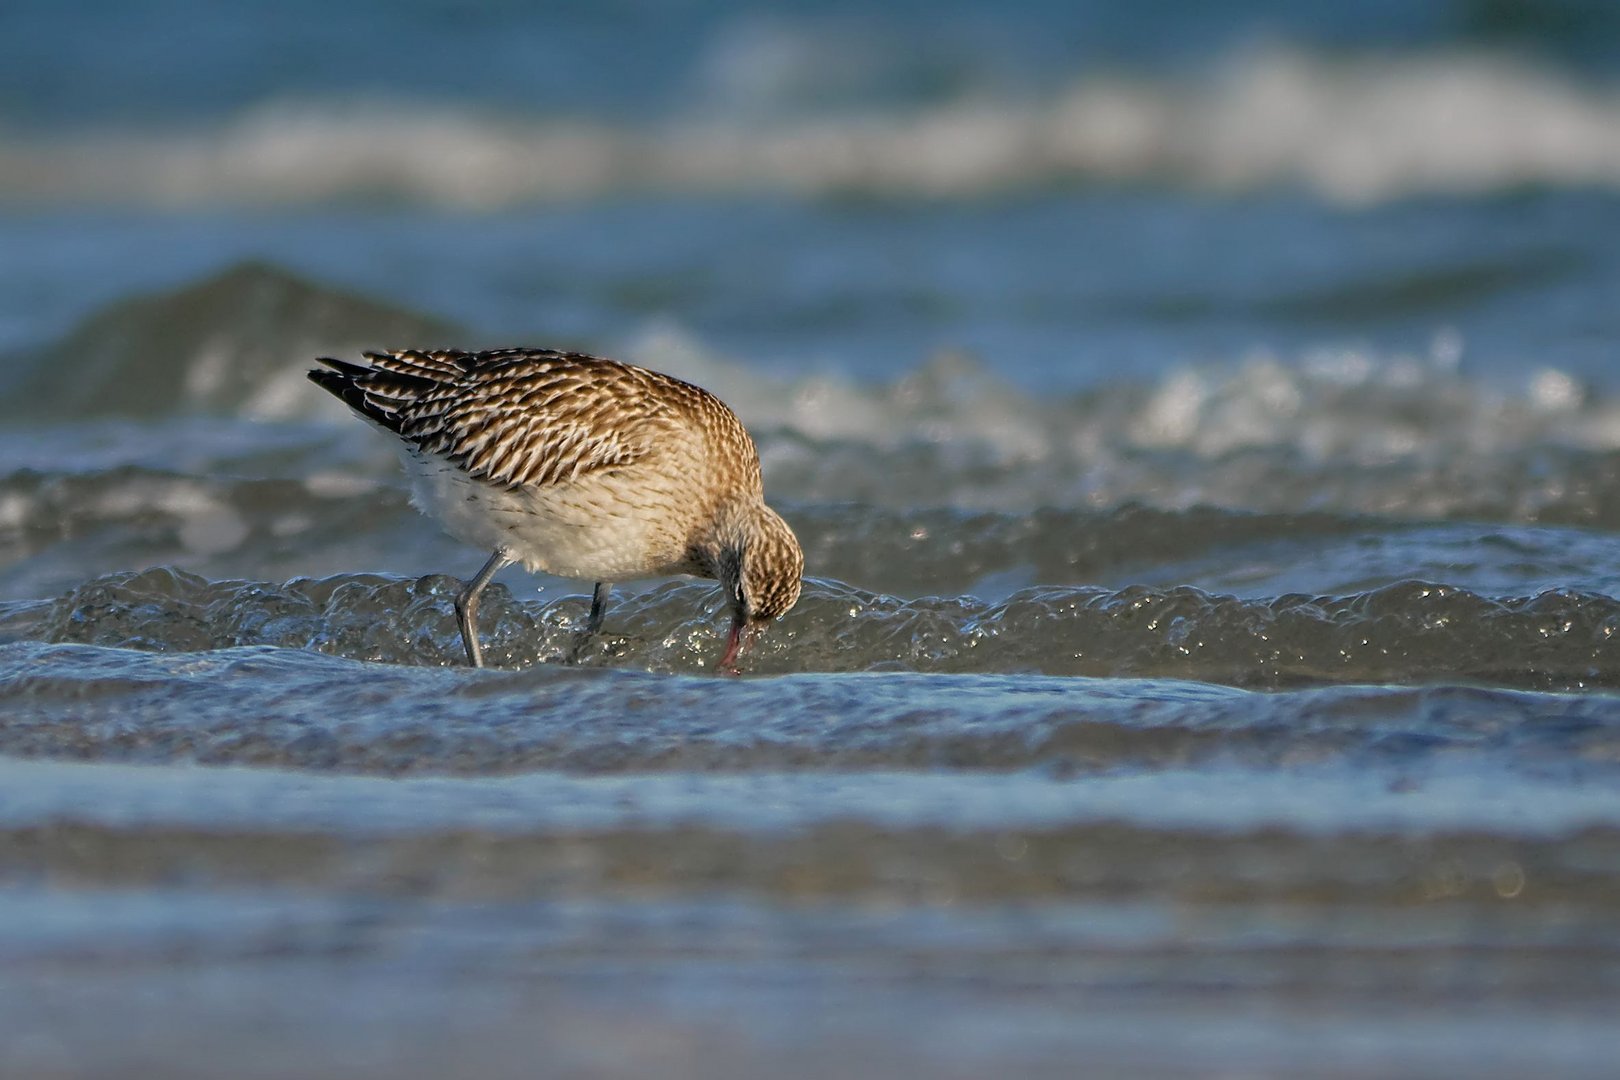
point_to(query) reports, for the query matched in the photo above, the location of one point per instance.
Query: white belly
(596, 529)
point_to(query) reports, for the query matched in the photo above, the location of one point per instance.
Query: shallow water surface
(1124, 725)
(1294, 747)
(1206, 458)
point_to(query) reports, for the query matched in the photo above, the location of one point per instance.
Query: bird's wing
(514, 417)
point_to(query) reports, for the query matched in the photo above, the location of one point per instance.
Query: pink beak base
(742, 636)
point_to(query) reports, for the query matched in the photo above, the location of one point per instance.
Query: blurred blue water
(94, 61)
(1065, 290)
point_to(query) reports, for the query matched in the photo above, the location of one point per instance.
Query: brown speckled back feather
(533, 417)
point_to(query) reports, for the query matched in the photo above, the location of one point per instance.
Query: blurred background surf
(1201, 420)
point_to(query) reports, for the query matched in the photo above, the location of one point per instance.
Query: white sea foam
(1332, 402)
(1332, 428)
(1351, 129)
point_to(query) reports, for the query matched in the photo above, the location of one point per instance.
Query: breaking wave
(1406, 632)
(1335, 431)
(1355, 130)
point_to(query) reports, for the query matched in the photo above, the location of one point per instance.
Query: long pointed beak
(742, 636)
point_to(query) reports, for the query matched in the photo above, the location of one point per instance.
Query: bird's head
(760, 565)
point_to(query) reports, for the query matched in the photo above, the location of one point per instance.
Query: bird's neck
(719, 549)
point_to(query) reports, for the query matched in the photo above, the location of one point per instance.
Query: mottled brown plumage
(582, 467)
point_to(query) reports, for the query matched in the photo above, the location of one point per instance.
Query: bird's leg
(467, 605)
(599, 599)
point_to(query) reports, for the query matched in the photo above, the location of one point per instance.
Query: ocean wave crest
(1351, 129)
(1406, 632)
(1331, 430)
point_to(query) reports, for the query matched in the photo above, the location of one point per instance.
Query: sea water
(1205, 442)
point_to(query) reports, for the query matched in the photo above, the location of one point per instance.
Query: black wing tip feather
(344, 383)
(340, 367)
(340, 384)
